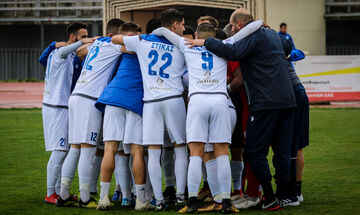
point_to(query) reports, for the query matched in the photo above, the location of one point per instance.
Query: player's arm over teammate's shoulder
(44, 56)
(131, 43)
(124, 50)
(171, 36)
(65, 51)
(246, 31)
(232, 52)
(118, 39)
(83, 51)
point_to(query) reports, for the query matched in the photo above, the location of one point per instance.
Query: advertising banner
(330, 78)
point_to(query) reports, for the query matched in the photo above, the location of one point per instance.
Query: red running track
(21, 94)
(29, 95)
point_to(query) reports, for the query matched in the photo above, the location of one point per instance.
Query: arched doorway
(140, 11)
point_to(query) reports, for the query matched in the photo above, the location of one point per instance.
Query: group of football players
(173, 102)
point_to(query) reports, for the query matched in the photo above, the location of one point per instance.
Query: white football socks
(68, 172)
(58, 184)
(236, 173)
(124, 176)
(155, 174)
(116, 172)
(95, 174)
(167, 165)
(85, 171)
(54, 170)
(104, 189)
(224, 175)
(140, 192)
(211, 169)
(194, 175)
(181, 167)
(149, 191)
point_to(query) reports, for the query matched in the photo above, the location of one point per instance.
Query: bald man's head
(239, 18)
(242, 10)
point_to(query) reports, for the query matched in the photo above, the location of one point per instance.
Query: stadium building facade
(318, 27)
(28, 26)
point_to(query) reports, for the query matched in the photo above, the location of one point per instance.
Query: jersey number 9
(208, 59)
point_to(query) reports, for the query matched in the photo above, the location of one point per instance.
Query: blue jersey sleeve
(44, 56)
(292, 42)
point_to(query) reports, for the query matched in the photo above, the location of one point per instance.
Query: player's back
(162, 65)
(207, 72)
(98, 68)
(126, 88)
(58, 77)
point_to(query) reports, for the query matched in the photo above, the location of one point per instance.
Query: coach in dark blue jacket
(271, 101)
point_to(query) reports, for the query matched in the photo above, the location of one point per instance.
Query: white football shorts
(170, 113)
(85, 121)
(233, 116)
(55, 122)
(210, 147)
(208, 119)
(122, 125)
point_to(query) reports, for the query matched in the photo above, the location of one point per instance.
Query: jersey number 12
(93, 53)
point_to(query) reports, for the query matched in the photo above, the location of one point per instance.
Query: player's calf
(107, 168)
(181, 169)
(155, 173)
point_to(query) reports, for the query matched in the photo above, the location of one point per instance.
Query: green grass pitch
(331, 183)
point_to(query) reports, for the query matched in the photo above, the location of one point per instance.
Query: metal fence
(20, 64)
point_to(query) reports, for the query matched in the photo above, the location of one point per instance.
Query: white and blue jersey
(207, 72)
(58, 77)
(162, 66)
(98, 68)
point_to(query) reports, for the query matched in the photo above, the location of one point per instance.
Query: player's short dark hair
(169, 16)
(189, 30)
(74, 27)
(211, 19)
(283, 24)
(205, 30)
(128, 27)
(220, 34)
(152, 24)
(113, 26)
(139, 29)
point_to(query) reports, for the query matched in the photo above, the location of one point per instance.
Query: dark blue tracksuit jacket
(264, 68)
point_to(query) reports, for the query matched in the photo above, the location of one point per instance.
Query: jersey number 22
(154, 55)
